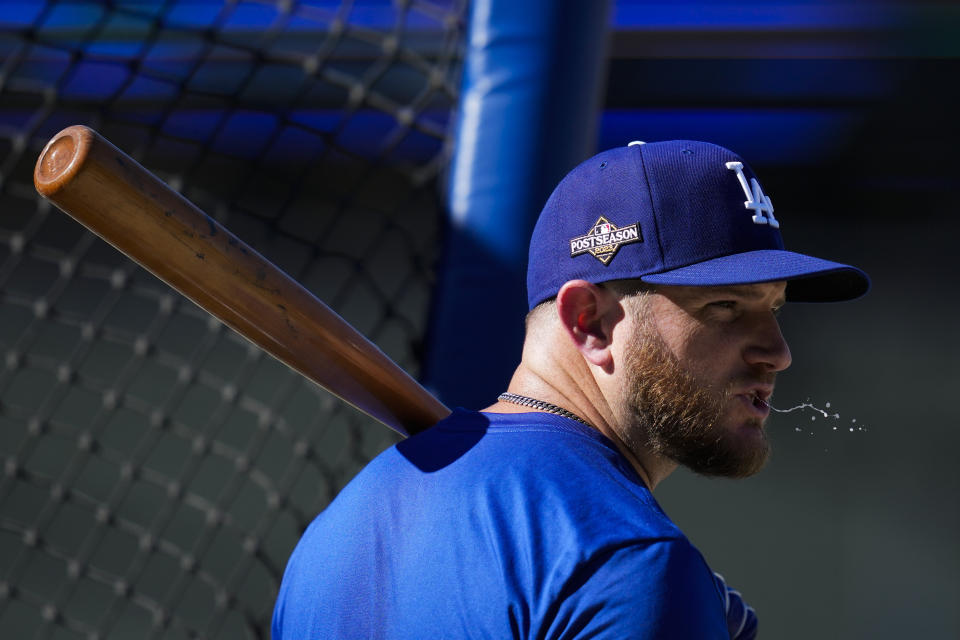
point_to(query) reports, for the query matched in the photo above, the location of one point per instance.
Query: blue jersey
(498, 526)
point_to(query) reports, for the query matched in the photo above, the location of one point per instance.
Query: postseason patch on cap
(604, 240)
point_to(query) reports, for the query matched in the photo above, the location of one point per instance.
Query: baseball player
(655, 276)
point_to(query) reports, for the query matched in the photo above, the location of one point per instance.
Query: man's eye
(724, 304)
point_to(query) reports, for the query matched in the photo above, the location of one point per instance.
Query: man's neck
(569, 391)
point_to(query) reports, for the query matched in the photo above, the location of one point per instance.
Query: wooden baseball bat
(126, 205)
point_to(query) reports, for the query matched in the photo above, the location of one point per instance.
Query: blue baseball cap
(675, 213)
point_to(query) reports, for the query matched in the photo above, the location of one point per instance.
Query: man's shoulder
(470, 437)
(530, 512)
(538, 465)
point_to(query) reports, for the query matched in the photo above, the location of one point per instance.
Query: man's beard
(674, 415)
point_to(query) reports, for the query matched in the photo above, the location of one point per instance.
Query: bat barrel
(61, 158)
(126, 205)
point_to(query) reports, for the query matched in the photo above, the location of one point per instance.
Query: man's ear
(588, 314)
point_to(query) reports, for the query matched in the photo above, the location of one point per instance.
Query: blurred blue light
(19, 15)
(193, 124)
(149, 77)
(626, 14)
(748, 15)
(94, 80)
(762, 136)
(193, 15)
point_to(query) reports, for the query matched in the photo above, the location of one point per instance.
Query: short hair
(539, 313)
(632, 288)
(632, 291)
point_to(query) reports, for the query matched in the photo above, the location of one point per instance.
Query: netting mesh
(157, 469)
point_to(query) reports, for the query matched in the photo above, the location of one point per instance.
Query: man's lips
(755, 399)
(759, 390)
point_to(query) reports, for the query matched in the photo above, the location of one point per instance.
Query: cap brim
(808, 279)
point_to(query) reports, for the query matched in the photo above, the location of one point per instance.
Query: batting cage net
(156, 468)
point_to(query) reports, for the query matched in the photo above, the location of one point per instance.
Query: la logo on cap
(604, 240)
(759, 203)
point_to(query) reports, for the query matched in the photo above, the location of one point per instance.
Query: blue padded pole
(532, 79)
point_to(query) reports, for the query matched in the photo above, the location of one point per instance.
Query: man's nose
(767, 347)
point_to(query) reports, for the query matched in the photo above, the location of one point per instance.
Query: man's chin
(750, 432)
(742, 452)
(746, 450)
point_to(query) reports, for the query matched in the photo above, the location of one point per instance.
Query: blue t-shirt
(497, 526)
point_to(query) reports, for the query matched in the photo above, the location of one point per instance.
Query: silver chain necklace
(524, 401)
